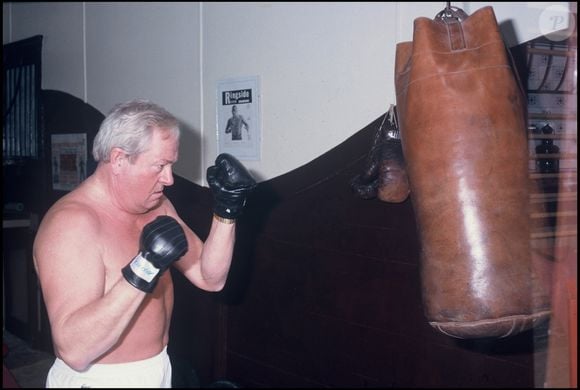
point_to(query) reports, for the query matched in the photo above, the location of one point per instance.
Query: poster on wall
(69, 160)
(238, 117)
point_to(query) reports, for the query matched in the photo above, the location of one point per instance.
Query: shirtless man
(235, 124)
(102, 250)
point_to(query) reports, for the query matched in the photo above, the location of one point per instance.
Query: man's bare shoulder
(72, 210)
(72, 219)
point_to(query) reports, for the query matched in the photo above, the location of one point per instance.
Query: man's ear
(118, 158)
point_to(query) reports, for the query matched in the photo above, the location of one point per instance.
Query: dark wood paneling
(193, 335)
(63, 113)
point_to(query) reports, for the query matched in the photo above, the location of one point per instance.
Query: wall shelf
(552, 116)
(562, 174)
(535, 136)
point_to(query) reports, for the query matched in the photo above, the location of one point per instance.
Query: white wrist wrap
(143, 268)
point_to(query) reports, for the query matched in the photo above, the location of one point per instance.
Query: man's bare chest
(120, 243)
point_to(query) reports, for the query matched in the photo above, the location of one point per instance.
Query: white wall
(326, 69)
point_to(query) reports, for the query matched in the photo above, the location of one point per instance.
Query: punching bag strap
(452, 18)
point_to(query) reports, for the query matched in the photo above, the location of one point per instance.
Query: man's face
(150, 172)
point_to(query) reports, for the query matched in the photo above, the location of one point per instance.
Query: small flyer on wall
(69, 160)
(238, 117)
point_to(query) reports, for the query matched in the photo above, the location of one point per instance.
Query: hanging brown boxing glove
(384, 176)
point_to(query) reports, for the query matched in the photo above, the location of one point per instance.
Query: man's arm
(207, 264)
(229, 126)
(86, 321)
(247, 127)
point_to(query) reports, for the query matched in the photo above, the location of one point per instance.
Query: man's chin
(155, 200)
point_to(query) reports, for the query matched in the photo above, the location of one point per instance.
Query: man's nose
(167, 176)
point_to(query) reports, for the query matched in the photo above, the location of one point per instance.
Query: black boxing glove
(162, 242)
(230, 183)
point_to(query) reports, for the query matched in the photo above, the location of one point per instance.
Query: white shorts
(152, 372)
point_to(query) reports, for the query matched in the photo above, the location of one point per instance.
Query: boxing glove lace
(162, 242)
(230, 183)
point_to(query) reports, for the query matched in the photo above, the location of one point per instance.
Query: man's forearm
(216, 256)
(89, 332)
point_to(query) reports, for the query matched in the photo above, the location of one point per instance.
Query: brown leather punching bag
(461, 115)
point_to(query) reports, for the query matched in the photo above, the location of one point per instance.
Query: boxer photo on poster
(238, 117)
